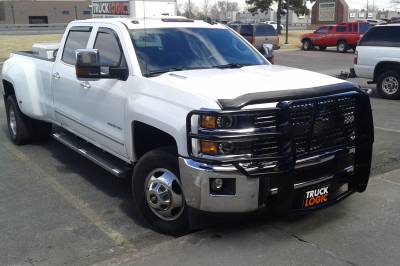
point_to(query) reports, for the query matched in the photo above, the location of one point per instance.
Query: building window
(65, 12)
(86, 12)
(38, 20)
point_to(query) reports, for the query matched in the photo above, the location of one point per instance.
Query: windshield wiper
(230, 65)
(159, 72)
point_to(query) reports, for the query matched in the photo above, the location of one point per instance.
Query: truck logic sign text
(111, 8)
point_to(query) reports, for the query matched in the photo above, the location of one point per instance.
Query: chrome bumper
(195, 178)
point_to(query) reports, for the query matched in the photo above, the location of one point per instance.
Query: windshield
(174, 49)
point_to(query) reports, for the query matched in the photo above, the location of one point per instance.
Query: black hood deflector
(277, 96)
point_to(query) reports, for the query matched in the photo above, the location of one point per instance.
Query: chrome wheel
(12, 121)
(164, 194)
(390, 85)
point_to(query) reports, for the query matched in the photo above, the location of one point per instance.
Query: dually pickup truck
(199, 119)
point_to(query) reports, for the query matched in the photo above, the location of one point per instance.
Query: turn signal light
(208, 121)
(208, 147)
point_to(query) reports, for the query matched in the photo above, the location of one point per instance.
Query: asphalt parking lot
(57, 208)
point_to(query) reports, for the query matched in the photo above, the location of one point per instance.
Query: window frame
(88, 29)
(107, 30)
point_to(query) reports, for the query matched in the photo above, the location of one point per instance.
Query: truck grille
(322, 123)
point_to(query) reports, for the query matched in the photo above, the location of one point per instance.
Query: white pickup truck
(196, 115)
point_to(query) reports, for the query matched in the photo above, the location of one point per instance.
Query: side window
(322, 30)
(77, 39)
(246, 30)
(340, 29)
(265, 30)
(350, 27)
(388, 36)
(355, 27)
(109, 48)
(364, 27)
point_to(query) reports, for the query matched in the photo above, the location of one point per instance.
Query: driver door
(104, 100)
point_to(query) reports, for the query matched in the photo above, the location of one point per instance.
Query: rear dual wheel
(23, 129)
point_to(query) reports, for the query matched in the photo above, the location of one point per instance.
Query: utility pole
(190, 10)
(287, 23)
(13, 13)
(366, 15)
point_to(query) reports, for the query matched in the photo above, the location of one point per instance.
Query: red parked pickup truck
(344, 36)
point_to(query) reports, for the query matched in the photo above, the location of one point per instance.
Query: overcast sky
(352, 3)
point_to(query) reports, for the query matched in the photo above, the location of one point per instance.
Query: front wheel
(157, 192)
(388, 85)
(307, 45)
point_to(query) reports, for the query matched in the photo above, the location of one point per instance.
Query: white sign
(327, 11)
(120, 8)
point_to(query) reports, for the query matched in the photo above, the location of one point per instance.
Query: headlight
(221, 121)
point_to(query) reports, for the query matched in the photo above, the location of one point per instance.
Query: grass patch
(9, 43)
(293, 38)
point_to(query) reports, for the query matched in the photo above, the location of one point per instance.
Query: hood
(228, 84)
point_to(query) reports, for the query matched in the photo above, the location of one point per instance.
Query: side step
(110, 163)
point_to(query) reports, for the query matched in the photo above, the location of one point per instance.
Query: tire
(17, 122)
(322, 48)
(342, 47)
(388, 85)
(23, 129)
(307, 45)
(155, 173)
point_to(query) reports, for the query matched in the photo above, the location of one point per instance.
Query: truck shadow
(215, 225)
(100, 179)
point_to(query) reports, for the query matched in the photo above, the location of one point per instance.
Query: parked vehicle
(274, 24)
(198, 117)
(378, 59)
(258, 34)
(344, 36)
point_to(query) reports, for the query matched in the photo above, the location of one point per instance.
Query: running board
(105, 160)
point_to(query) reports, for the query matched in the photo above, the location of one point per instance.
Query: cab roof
(153, 22)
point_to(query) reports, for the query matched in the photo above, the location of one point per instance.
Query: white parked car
(378, 59)
(275, 25)
(195, 114)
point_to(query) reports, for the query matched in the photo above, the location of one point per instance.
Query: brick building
(43, 11)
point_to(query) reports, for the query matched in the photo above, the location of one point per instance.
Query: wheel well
(147, 138)
(383, 66)
(8, 89)
(308, 39)
(341, 41)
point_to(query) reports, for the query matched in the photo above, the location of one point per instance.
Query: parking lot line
(77, 203)
(388, 130)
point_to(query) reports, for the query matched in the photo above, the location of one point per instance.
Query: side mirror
(89, 68)
(87, 64)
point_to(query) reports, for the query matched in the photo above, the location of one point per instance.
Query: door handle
(85, 85)
(56, 75)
